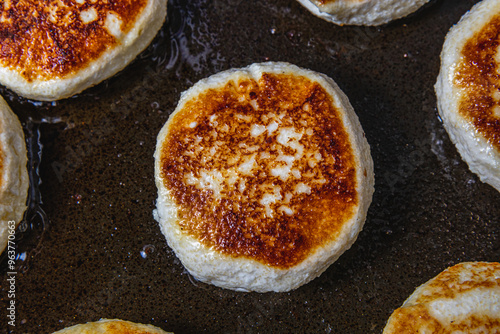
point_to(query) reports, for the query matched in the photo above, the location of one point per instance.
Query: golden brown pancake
(464, 298)
(264, 177)
(468, 89)
(111, 326)
(362, 12)
(56, 48)
(14, 180)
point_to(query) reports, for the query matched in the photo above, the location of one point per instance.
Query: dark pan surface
(91, 249)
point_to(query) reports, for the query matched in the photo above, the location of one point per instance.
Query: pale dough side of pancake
(362, 12)
(109, 63)
(482, 158)
(241, 273)
(464, 298)
(15, 180)
(111, 326)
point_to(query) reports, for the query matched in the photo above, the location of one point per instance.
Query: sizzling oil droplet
(147, 250)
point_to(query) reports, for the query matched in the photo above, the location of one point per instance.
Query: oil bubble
(147, 250)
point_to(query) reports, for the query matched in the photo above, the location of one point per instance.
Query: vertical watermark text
(11, 273)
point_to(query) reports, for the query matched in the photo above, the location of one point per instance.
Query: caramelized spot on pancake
(261, 169)
(452, 282)
(119, 327)
(53, 38)
(418, 319)
(408, 320)
(456, 294)
(478, 74)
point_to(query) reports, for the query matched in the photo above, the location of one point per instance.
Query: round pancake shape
(264, 177)
(14, 180)
(464, 298)
(468, 89)
(111, 326)
(54, 49)
(362, 12)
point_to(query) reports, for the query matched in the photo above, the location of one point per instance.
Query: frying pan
(89, 247)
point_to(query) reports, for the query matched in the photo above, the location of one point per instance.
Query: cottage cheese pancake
(14, 181)
(462, 299)
(114, 326)
(468, 89)
(54, 49)
(264, 177)
(362, 12)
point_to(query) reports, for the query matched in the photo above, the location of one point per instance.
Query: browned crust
(410, 319)
(477, 74)
(447, 285)
(120, 327)
(47, 39)
(114, 326)
(236, 224)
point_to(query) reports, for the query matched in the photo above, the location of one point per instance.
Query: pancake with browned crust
(264, 177)
(54, 49)
(111, 326)
(468, 89)
(14, 180)
(464, 298)
(362, 12)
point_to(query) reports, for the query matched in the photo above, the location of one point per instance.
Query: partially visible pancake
(54, 49)
(14, 180)
(362, 12)
(468, 89)
(111, 326)
(464, 298)
(264, 177)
